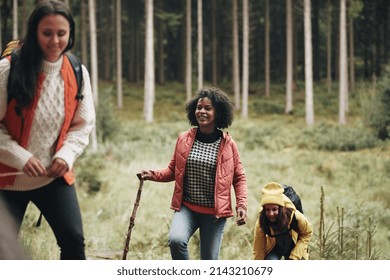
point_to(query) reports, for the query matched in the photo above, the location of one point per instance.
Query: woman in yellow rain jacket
(281, 230)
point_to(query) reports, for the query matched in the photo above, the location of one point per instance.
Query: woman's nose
(55, 39)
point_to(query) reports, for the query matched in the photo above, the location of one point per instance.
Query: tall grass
(346, 165)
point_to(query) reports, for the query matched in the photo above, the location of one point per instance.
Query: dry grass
(273, 147)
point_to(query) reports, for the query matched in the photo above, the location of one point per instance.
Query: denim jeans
(59, 205)
(276, 254)
(185, 223)
(273, 255)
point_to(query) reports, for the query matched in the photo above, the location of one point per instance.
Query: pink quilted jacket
(229, 173)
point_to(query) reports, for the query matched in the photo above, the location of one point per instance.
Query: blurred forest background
(310, 85)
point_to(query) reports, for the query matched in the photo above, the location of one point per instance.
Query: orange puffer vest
(19, 127)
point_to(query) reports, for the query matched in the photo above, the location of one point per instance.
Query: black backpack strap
(294, 224)
(76, 65)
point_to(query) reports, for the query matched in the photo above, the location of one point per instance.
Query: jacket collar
(193, 130)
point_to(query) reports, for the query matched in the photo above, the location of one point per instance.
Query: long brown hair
(29, 57)
(281, 226)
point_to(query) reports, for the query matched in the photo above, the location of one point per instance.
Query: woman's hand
(241, 216)
(34, 168)
(58, 168)
(146, 175)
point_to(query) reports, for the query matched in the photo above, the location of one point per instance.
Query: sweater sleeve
(82, 124)
(11, 153)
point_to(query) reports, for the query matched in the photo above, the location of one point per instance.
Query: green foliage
(335, 138)
(355, 7)
(378, 114)
(351, 238)
(321, 136)
(87, 170)
(106, 124)
(264, 106)
(172, 20)
(273, 147)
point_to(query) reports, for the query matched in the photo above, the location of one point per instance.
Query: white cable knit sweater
(46, 126)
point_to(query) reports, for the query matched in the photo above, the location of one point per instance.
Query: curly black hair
(219, 100)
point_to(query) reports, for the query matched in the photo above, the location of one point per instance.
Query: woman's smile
(205, 115)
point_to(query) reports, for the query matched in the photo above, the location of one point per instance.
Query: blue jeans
(276, 254)
(185, 223)
(273, 255)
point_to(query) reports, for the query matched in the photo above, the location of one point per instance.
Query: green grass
(348, 162)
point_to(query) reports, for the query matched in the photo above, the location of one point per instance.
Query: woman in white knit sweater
(45, 125)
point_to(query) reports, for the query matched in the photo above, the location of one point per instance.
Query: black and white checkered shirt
(199, 180)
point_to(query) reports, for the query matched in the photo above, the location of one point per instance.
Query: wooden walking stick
(132, 218)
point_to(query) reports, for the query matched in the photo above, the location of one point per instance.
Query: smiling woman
(53, 36)
(44, 127)
(205, 115)
(205, 166)
(281, 230)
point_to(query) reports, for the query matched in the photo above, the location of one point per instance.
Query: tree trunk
(160, 47)
(24, 19)
(83, 32)
(329, 47)
(235, 59)
(1, 31)
(94, 64)
(267, 55)
(214, 43)
(289, 62)
(188, 79)
(119, 53)
(107, 16)
(351, 56)
(15, 33)
(343, 79)
(296, 39)
(309, 108)
(200, 44)
(149, 63)
(316, 40)
(245, 58)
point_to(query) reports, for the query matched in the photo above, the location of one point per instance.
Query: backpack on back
(74, 61)
(293, 196)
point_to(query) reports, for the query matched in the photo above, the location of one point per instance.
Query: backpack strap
(294, 224)
(78, 72)
(76, 65)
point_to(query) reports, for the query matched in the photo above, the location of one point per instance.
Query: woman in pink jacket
(204, 166)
